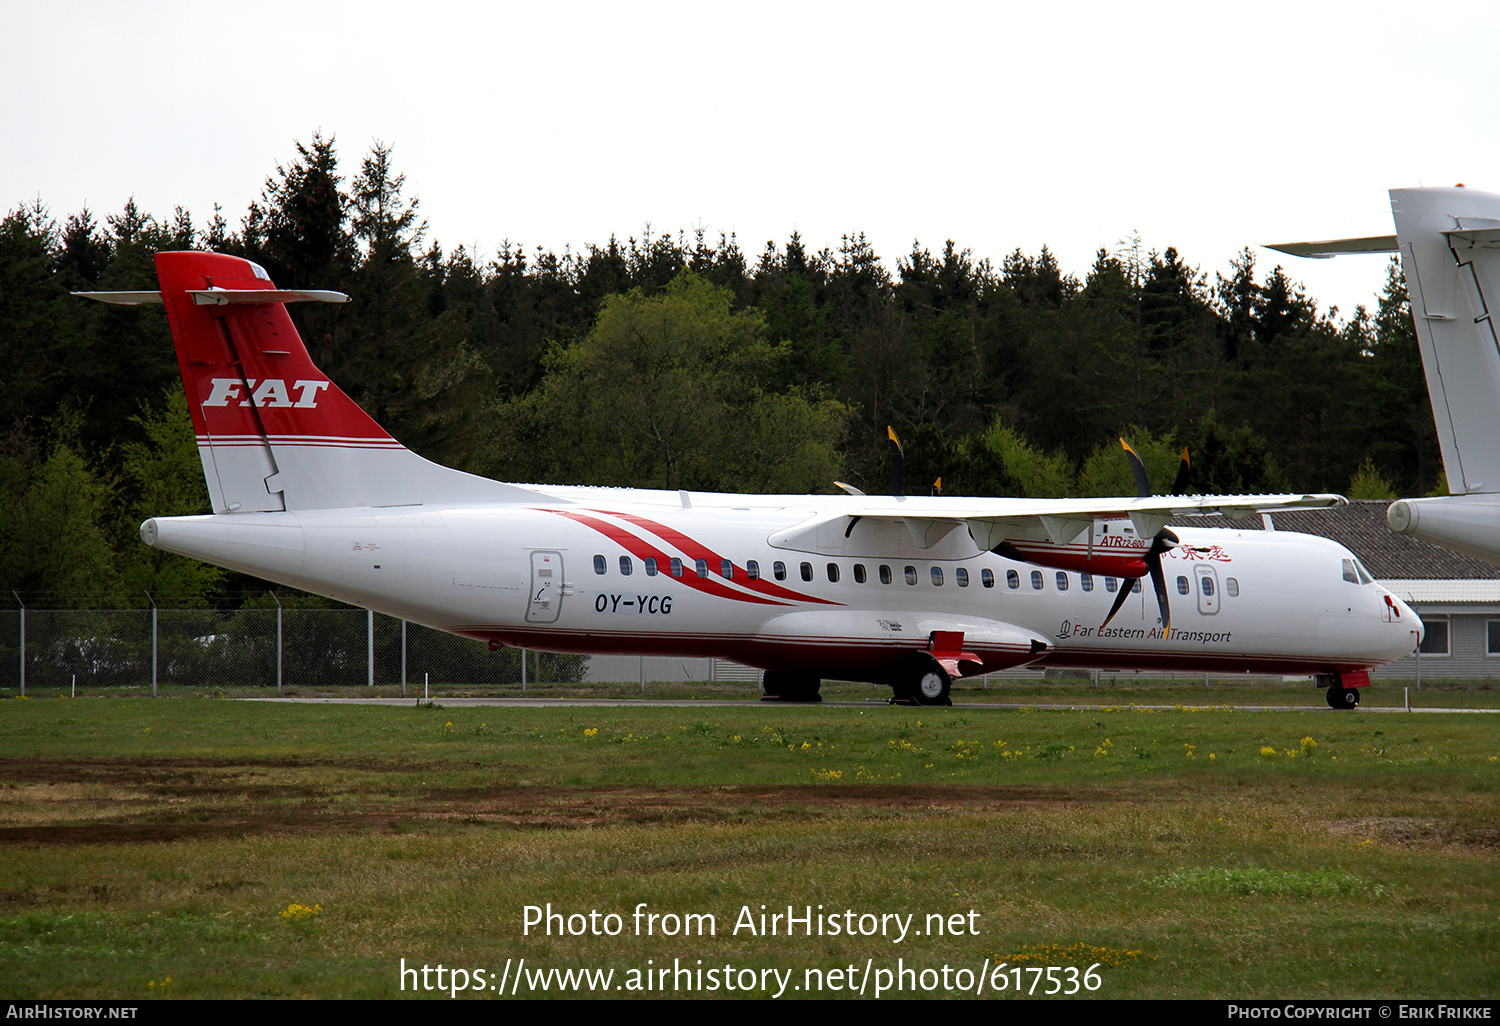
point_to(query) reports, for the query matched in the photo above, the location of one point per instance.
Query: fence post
(23, 641)
(523, 673)
(278, 641)
(153, 643)
(370, 648)
(403, 658)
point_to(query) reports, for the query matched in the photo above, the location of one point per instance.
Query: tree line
(681, 361)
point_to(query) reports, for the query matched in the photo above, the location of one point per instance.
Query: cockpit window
(1349, 573)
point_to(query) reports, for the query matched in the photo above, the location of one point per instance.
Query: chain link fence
(304, 652)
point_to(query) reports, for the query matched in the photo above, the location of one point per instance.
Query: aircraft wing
(990, 521)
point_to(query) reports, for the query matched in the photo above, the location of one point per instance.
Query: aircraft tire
(932, 686)
(1342, 698)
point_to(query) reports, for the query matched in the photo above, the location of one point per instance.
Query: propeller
(1164, 541)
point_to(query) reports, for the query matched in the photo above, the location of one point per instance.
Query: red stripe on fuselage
(696, 550)
(642, 549)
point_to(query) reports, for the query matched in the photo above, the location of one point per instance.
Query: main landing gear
(781, 686)
(926, 684)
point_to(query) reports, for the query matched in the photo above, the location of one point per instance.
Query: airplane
(909, 592)
(1449, 241)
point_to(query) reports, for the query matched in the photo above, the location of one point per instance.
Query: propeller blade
(1184, 475)
(1126, 586)
(898, 462)
(1142, 486)
(1163, 541)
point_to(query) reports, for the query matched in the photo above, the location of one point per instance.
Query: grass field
(195, 848)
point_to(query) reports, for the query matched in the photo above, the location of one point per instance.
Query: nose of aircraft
(1405, 620)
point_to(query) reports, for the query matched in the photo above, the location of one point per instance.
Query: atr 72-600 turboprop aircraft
(910, 592)
(1449, 241)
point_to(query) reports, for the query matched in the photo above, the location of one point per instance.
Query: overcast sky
(1208, 127)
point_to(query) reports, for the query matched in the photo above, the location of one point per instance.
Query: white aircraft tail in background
(1449, 241)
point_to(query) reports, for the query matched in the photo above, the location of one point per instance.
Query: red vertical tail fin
(274, 433)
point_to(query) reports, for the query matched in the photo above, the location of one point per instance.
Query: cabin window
(1062, 581)
(1036, 580)
(752, 569)
(676, 567)
(807, 571)
(987, 577)
(1086, 582)
(1182, 586)
(779, 569)
(1232, 585)
(1435, 641)
(701, 566)
(600, 565)
(1135, 585)
(625, 566)
(1206, 584)
(961, 575)
(1012, 579)
(726, 569)
(911, 575)
(937, 577)
(1110, 585)
(859, 573)
(650, 566)
(885, 574)
(833, 573)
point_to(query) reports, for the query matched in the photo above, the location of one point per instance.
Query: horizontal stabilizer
(219, 297)
(1337, 247)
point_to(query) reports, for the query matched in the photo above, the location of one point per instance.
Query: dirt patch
(204, 799)
(1413, 831)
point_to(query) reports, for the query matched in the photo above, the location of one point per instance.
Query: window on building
(1492, 636)
(1435, 642)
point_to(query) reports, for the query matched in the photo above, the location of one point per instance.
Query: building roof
(1390, 557)
(1445, 592)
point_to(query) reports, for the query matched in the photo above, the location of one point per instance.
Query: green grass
(250, 849)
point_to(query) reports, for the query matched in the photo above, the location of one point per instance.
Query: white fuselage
(594, 572)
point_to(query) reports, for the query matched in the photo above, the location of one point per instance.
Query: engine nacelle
(1463, 523)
